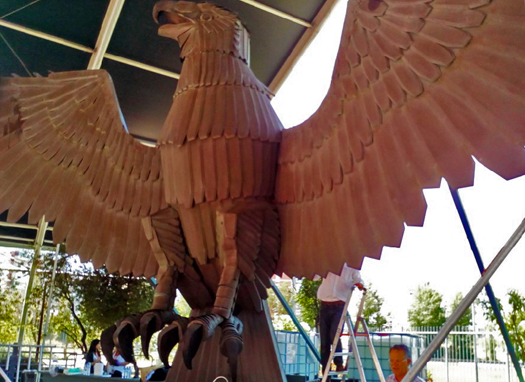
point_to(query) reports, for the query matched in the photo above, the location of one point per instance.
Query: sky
(438, 253)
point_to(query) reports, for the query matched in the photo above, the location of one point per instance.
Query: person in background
(118, 369)
(400, 360)
(159, 374)
(93, 355)
(333, 292)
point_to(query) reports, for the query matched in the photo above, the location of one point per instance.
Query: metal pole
(42, 225)
(106, 31)
(488, 288)
(38, 244)
(355, 352)
(48, 310)
(446, 358)
(475, 341)
(508, 367)
(4, 375)
(336, 339)
(465, 303)
(289, 310)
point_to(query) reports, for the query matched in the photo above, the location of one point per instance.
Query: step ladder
(353, 332)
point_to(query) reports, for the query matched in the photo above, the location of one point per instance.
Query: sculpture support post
(464, 304)
(41, 232)
(48, 310)
(490, 293)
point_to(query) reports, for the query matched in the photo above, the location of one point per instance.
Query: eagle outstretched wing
(419, 88)
(65, 154)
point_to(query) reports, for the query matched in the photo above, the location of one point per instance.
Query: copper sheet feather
(448, 86)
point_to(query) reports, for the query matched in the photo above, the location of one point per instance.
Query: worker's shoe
(340, 368)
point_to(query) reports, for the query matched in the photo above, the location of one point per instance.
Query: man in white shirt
(333, 293)
(400, 360)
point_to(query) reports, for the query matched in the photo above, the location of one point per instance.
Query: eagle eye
(206, 17)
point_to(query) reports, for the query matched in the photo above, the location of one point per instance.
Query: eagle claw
(122, 334)
(198, 330)
(170, 336)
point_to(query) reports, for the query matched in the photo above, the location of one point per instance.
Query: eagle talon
(107, 344)
(231, 344)
(124, 335)
(199, 330)
(170, 336)
(151, 322)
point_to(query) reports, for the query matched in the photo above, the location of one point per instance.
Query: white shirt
(392, 378)
(337, 288)
(118, 367)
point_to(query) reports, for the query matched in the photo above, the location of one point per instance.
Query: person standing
(400, 360)
(333, 292)
(93, 355)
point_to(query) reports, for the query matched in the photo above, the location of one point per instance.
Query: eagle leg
(203, 328)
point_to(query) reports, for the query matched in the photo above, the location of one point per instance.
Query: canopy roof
(42, 36)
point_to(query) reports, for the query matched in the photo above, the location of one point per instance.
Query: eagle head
(200, 26)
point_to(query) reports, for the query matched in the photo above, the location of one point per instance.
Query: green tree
(427, 308)
(460, 345)
(466, 319)
(514, 319)
(96, 300)
(309, 304)
(280, 318)
(85, 302)
(372, 310)
(10, 310)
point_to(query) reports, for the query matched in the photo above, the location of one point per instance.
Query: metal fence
(469, 356)
(15, 360)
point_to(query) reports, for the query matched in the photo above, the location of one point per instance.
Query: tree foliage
(85, 302)
(461, 347)
(309, 304)
(95, 299)
(280, 318)
(427, 308)
(514, 319)
(10, 310)
(372, 310)
(466, 318)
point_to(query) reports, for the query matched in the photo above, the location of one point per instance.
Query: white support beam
(83, 48)
(277, 12)
(22, 226)
(45, 36)
(106, 31)
(302, 44)
(141, 65)
(39, 241)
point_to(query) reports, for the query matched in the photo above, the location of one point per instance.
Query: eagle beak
(160, 7)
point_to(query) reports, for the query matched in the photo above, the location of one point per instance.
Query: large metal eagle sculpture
(228, 198)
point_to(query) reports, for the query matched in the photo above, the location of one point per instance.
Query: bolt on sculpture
(228, 198)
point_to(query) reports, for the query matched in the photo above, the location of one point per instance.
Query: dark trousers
(329, 317)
